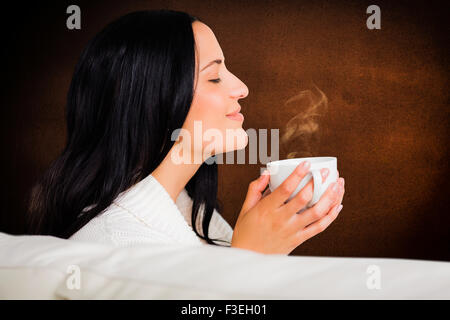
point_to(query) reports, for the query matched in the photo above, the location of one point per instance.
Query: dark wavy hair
(132, 87)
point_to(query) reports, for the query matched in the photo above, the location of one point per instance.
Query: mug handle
(317, 178)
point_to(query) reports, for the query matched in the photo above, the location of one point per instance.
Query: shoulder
(143, 213)
(119, 227)
(219, 228)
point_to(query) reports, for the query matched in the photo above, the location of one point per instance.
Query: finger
(339, 200)
(284, 190)
(341, 197)
(322, 207)
(255, 189)
(340, 193)
(320, 225)
(305, 195)
(266, 193)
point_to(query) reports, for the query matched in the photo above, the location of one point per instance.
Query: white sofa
(44, 267)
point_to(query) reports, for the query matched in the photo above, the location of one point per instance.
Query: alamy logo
(74, 20)
(374, 20)
(216, 139)
(374, 279)
(73, 281)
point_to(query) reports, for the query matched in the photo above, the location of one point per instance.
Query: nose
(240, 90)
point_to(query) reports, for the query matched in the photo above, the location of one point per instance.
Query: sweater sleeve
(143, 213)
(218, 227)
(146, 213)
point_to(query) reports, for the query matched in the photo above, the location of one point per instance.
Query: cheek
(209, 108)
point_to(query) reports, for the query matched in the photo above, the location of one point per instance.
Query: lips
(236, 115)
(234, 112)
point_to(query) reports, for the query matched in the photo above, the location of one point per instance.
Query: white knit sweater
(146, 213)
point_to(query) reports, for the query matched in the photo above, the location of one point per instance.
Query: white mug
(281, 169)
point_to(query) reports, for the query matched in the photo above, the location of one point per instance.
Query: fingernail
(265, 172)
(339, 208)
(335, 186)
(306, 164)
(325, 173)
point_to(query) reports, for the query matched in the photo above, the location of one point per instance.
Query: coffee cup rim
(296, 160)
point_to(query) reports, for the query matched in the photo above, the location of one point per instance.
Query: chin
(241, 141)
(245, 142)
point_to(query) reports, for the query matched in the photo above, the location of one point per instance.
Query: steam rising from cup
(302, 131)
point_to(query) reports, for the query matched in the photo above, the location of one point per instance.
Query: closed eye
(215, 80)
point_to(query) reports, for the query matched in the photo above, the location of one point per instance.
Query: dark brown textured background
(387, 119)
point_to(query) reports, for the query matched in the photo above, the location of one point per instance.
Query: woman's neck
(173, 175)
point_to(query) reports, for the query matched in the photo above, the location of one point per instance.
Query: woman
(140, 80)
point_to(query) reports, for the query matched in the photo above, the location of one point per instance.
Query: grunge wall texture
(387, 118)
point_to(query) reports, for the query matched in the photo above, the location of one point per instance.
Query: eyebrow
(218, 61)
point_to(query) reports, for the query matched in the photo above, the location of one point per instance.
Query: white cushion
(36, 267)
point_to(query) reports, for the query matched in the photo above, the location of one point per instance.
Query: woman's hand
(270, 225)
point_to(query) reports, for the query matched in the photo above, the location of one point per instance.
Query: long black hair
(132, 87)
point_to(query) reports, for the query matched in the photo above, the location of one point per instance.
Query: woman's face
(215, 96)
